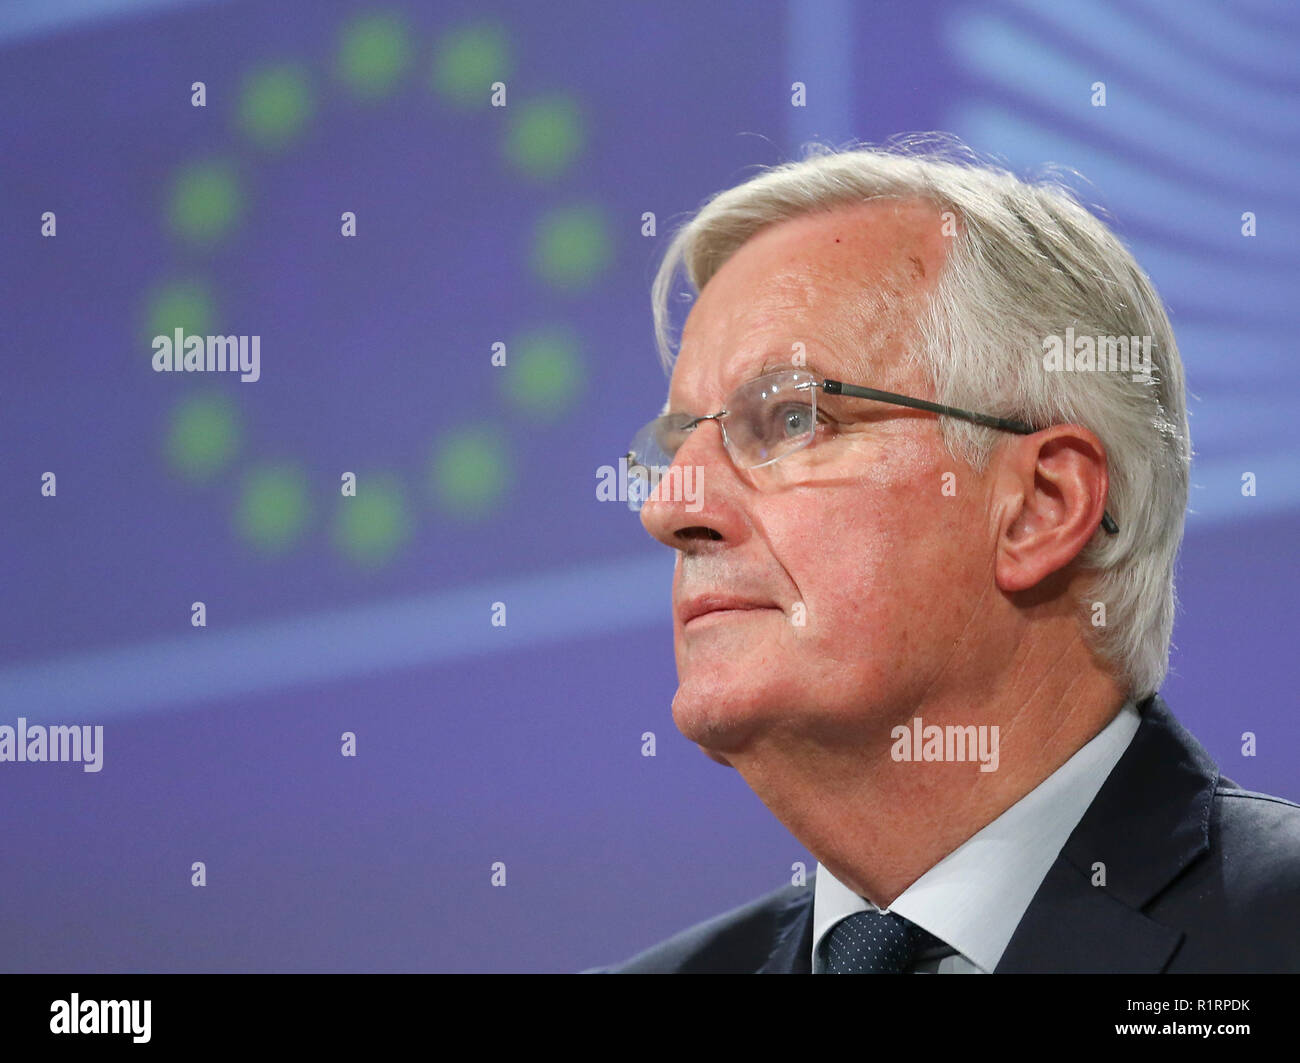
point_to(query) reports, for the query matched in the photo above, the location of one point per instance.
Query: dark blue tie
(874, 942)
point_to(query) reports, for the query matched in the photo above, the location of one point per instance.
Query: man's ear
(1054, 486)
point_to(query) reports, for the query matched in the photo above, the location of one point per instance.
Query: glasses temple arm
(837, 387)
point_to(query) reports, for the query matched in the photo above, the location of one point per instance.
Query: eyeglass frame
(859, 391)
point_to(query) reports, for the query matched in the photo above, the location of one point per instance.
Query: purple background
(521, 744)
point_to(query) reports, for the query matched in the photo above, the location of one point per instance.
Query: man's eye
(793, 421)
(784, 422)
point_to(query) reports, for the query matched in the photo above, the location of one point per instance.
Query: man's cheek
(839, 614)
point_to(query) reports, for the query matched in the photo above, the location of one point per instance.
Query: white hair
(1026, 261)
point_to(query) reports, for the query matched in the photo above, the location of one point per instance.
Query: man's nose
(697, 499)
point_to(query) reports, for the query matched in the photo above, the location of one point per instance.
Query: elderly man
(924, 600)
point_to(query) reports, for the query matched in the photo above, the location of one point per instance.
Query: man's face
(865, 576)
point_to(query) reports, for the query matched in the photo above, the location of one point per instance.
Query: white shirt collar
(976, 895)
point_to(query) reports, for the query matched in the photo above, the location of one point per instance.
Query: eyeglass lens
(765, 419)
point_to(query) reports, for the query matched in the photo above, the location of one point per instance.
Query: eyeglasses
(774, 416)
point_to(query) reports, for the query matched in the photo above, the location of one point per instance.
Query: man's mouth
(705, 608)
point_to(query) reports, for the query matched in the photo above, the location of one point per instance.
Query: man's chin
(719, 724)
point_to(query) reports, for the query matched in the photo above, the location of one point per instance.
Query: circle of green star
(272, 507)
(372, 524)
(275, 105)
(543, 372)
(202, 437)
(471, 471)
(205, 202)
(468, 61)
(374, 52)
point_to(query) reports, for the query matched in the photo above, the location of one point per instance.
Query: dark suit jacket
(1201, 876)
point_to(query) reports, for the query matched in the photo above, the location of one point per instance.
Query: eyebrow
(769, 366)
(809, 367)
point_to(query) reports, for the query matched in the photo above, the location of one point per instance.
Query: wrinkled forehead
(837, 293)
(839, 289)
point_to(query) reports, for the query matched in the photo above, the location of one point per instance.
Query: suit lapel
(792, 953)
(1072, 927)
(1149, 821)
